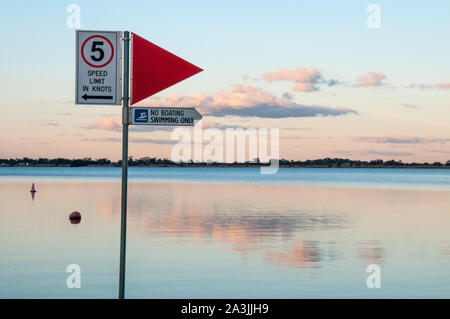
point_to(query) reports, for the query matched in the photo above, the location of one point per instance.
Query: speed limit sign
(98, 79)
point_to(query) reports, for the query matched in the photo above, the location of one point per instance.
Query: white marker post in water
(98, 70)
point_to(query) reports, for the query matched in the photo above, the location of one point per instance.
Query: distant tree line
(152, 161)
(341, 162)
(87, 161)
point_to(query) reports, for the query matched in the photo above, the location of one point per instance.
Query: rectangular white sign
(98, 68)
(168, 116)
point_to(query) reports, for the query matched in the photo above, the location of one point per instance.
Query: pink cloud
(240, 96)
(443, 86)
(304, 87)
(371, 79)
(410, 106)
(242, 101)
(305, 78)
(132, 140)
(115, 124)
(419, 86)
(401, 140)
(106, 124)
(308, 74)
(248, 101)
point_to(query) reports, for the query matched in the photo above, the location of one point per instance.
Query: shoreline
(187, 165)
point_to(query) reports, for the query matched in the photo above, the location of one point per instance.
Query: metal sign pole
(125, 122)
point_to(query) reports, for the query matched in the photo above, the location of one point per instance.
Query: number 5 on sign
(99, 65)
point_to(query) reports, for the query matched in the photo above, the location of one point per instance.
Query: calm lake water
(227, 232)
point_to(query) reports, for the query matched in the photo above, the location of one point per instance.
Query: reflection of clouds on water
(278, 224)
(207, 226)
(306, 254)
(420, 251)
(371, 251)
(266, 233)
(444, 248)
(286, 226)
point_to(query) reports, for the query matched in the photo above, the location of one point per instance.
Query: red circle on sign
(104, 38)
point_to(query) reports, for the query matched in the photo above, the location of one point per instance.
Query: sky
(336, 79)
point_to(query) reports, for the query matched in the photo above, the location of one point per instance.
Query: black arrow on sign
(100, 97)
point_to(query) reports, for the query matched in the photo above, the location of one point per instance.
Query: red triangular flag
(155, 69)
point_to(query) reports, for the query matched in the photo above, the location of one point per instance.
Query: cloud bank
(114, 124)
(442, 86)
(248, 101)
(371, 79)
(306, 79)
(401, 140)
(387, 153)
(132, 140)
(108, 124)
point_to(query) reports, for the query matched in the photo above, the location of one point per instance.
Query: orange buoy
(33, 188)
